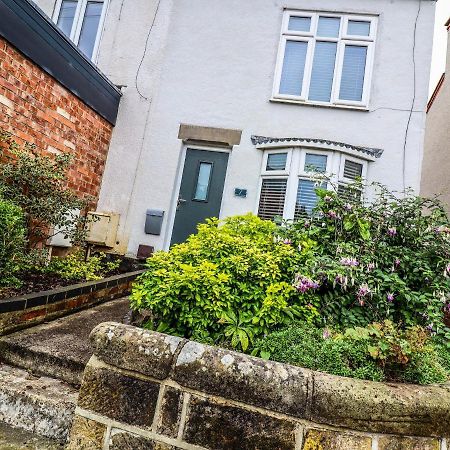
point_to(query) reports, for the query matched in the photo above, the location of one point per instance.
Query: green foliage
(376, 352)
(74, 267)
(37, 184)
(12, 242)
(231, 282)
(387, 259)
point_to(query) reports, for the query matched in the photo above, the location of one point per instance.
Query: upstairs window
(325, 58)
(81, 21)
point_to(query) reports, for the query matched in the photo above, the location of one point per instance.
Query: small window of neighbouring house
(81, 21)
(325, 58)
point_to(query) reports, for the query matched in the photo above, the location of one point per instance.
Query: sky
(440, 42)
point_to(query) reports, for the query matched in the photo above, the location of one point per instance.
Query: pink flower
(363, 290)
(390, 297)
(332, 214)
(303, 284)
(287, 242)
(442, 229)
(351, 262)
(348, 206)
(392, 231)
(447, 270)
(326, 333)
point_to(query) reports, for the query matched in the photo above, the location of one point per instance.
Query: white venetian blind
(272, 198)
(89, 28)
(323, 71)
(66, 16)
(352, 170)
(315, 163)
(276, 161)
(306, 198)
(293, 68)
(353, 72)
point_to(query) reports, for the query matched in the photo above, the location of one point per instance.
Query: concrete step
(39, 405)
(59, 349)
(14, 439)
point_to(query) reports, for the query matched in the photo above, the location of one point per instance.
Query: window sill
(318, 105)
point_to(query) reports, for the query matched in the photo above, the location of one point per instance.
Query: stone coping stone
(132, 348)
(34, 299)
(390, 408)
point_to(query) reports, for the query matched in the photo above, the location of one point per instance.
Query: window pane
(204, 175)
(315, 163)
(271, 201)
(90, 27)
(329, 26)
(352, 170)
(349, 194)
(322, 71)
(293, 68)
(306, 198)
(276, 161)
(299, 23)
(66, 16)
(358, 28)
(353, 71)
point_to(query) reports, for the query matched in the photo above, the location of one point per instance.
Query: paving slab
(61, 348)
(13, 439)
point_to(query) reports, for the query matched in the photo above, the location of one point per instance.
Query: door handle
(180, 201)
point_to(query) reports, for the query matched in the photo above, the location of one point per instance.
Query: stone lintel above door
(219, 137)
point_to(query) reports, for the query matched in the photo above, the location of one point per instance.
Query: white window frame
(78, 23)
(346, 180)
(342, 40)
(284, 172)
(296, 171)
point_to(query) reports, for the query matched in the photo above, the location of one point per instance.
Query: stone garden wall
(145, 390)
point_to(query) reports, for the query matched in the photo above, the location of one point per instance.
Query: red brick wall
(36, 108)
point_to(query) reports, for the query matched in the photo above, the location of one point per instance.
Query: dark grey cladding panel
(261, 140)
(29, 30)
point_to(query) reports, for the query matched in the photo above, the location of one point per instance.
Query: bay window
(289, 179)
(81, 21)
(325, 58)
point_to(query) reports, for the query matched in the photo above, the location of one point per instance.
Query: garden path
(60, 349)
(41, 399)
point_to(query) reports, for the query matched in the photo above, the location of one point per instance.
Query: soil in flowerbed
(35, 281)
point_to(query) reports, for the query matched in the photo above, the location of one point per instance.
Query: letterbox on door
(153, 221)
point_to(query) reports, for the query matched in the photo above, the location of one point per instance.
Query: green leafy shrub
(74, 267)
(376, 352)
(231, 282)
(387, 259)
(12, 242)
(37, 183)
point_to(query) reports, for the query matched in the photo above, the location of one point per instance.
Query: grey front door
(201, 191)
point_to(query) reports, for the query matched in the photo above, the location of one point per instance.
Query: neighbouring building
(52, 96)
(436, 159)
(227, 104)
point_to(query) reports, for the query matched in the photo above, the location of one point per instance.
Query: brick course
(36, 108)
